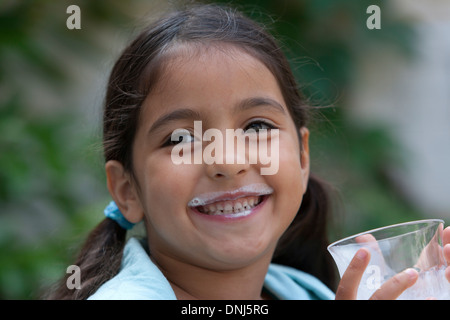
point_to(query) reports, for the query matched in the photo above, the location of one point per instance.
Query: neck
(191, 282)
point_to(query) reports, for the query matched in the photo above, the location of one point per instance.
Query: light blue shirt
(140, 279)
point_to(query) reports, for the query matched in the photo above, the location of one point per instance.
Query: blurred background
(380, 135)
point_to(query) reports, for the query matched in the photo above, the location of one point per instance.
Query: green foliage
(50, 175)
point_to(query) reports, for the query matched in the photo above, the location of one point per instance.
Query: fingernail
(411, 273)
(361, 254)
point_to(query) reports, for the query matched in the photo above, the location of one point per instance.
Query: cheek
(290, 168)
(165, 198)
(289, 179)
(165, 186)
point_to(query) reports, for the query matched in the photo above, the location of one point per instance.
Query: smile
(238, 206)
(233, 204)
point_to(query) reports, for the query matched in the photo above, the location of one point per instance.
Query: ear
(123, 191)
(304, 156)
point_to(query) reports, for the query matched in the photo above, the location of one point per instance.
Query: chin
(238, 255)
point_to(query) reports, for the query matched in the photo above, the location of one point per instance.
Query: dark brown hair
(303, 246)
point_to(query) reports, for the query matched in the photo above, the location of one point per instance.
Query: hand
(391, 289)
(446, 251)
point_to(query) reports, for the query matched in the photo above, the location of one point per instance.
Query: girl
(221, 229)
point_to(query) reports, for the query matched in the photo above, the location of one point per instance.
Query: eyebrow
(179, 114)
(190, 114)
(253, 102)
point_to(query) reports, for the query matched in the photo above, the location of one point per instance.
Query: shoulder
(138, 279)
(291, 284)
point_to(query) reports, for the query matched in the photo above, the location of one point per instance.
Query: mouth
(238, 203)
(236, 207)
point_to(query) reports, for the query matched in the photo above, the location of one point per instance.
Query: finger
(446, 236)
(368, 240)
(365, 238)
(348, 286)
(447, 273)
(446, 252)
(394, 287)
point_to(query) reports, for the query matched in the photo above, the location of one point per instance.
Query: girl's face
(224, 89)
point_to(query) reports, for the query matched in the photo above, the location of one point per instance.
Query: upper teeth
(230, 206)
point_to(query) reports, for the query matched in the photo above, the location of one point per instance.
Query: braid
(99, 260)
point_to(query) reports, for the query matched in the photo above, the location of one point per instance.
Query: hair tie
(112, 211)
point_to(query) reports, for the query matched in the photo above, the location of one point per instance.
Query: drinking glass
(415, 244)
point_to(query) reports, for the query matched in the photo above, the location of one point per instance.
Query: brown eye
(179, 136)
(259, 125)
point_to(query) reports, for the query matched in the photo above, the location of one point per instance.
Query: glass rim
(336, 243)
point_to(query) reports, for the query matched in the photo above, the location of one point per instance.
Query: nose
(226, 171)
(228, 165)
